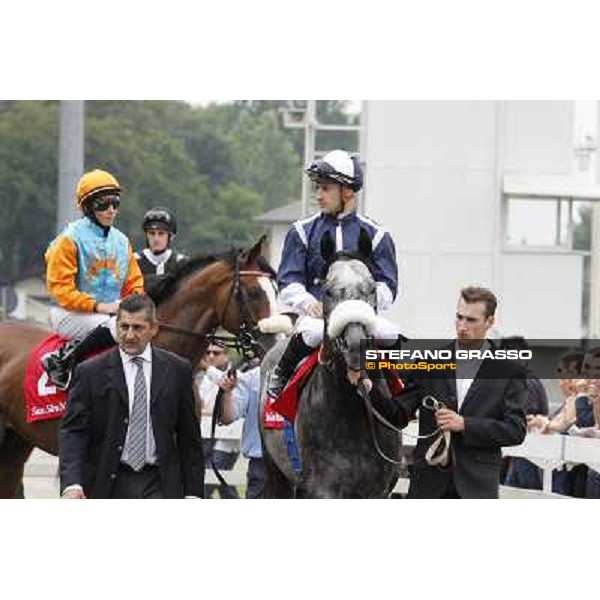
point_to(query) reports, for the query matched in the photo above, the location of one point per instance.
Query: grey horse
(336, 437)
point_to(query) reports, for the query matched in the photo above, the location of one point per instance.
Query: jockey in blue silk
(337, 178)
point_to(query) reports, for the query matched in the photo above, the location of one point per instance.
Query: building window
(547, 223)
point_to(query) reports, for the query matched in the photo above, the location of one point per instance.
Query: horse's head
(251, 298)
(235, 290)
(349, 299)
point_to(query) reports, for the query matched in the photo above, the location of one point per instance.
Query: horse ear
(327, 247)
(252, 255)
(365, 245)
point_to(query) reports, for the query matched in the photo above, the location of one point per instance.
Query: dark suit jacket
(93, 430)
(493, 411)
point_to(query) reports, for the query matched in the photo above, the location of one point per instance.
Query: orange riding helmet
(96, 183)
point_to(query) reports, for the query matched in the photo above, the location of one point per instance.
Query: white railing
(548, 452)
(544, 451)
(553, 450)
(237, 475)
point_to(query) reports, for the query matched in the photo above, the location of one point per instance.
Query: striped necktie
(138, 425)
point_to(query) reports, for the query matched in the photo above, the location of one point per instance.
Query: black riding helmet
(160, 218)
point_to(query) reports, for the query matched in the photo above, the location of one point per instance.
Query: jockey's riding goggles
(101, 204)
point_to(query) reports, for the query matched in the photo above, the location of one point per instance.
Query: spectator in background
(522, 473)
(587, 408)
(224, 453)
(569, 370)
(241, 393)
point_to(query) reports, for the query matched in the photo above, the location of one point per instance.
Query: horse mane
(266, 267)
(170, 284)
(198, 262)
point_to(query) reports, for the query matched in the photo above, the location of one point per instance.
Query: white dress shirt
(466, 371)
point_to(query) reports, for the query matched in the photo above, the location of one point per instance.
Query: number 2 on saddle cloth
(43, 401)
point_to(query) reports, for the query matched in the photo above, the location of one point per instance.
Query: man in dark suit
(129, 429)
(482, 410)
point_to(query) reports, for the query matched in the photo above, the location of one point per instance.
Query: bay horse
(343, 452)
(232, 290)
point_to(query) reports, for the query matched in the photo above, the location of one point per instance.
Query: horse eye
(255, 293)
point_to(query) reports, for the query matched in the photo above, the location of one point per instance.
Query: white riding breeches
(76, 325)
(312, 330)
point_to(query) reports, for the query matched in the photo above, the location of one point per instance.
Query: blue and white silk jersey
(301, 267)
(86, 266)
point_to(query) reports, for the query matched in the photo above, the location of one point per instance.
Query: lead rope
(438, 453)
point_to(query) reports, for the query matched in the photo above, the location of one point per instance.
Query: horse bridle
(245, 341)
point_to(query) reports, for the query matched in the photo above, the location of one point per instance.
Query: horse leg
(277, 485)
(14, 452)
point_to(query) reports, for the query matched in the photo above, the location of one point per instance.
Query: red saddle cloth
(42, 400)
(271, 418)
(287, 402)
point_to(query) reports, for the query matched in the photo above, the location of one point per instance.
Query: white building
(485, 193)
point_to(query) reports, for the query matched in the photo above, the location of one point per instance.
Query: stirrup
(277, 384)
(60, 378)
(56, 366)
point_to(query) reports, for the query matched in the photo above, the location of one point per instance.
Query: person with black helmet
(90, 267)
(159, 259)
(337, 178)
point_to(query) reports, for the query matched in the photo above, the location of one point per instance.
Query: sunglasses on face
(215, 352)
(104, 203)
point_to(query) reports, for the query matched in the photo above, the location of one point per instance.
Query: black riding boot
(59, 364)
(397, 344)
(294, 353)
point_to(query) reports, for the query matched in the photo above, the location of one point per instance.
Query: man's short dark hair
(567, 359)
(135, 303)
(593, 352)
(514, 342)
(473, 294)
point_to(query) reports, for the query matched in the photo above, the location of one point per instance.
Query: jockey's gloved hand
(315, 310)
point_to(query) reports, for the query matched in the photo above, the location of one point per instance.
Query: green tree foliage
(582, 234)
(264, 158)
(216, 166)
(28, 184)
(231, 220)
(152, 166)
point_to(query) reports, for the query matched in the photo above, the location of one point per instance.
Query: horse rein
(363, 392)
(245, 340)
